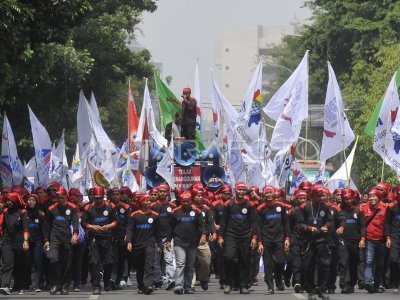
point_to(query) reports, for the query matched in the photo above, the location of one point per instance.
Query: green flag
(169, 106)
(371, 125)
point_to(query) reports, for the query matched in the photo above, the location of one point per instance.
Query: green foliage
(361, 40)
(49, 50)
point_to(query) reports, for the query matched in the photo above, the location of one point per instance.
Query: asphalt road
(213, 292)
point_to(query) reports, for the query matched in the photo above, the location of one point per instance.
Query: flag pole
(9, 155)
(386, 135)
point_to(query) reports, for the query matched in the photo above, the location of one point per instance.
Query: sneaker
(21, 292)
(122, 283)
(312, 296)
(204, 285)
(369, 287)
(297, 288)
(269, 292)
(37, 290)
(189, 291)
(129, 282)
(77, 289)
(244, 291)
(227, 289)
(323, 296)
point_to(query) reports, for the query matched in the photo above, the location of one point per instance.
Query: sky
(181, 31)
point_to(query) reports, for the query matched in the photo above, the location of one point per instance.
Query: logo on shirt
(203, 213)
(355, 216)
(122, 210)
(169, 209)
(105, 213)
(192, 213)
(150, 220)
(36, 220)
(67, 212)
(244, 211)
(322, 214)
(278, 209)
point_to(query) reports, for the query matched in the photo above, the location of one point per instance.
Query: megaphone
(210, 156)
(155, 156)
(153, 179)
(185, 154)
(213, 172)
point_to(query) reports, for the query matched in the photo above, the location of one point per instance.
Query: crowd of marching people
(51, 239)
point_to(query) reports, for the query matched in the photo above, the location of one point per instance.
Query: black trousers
(274, 259)
(316, 257)
(395, 262)
(333, 268)
(119, 255)
(295, 258)
(60, 262)
(189, 132)
(143, 260)
(14, 262)
(349, 257)
(236, 260)
(100, 259)
(77, 263)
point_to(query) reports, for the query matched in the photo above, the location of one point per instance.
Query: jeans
(169, 264)
(185, 263)
(374, 262)
(35, 259)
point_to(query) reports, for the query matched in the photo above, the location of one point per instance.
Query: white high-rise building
(238, 51)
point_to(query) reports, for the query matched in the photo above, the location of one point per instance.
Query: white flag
(59, 164)
(108, 168)
(166, 166)
(84, 127)
(320, 176)
(94, 107)
(233, 156)
(298, 176)
(337, 131)
(97, 176)
(247, 124)
(283, 160)
(289, 107)
(197, 95)
(267, 166)
(389, 147)
(42, 145)
(30, 174)
(11, 168)
(344, 171)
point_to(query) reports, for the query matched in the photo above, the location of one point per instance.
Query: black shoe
(280, 288)
(64, 291)
(323, 296)
(227, 289)
(140, 292)
(107, 287)
(204, 285)
(379, 289)
(361, 285)
(148, 291)
(244, 291)
(347, 290)
(117, 287)
(5, 291)
(297, 288)
(369, 287)
(170, 285)
(178, 291)
(189, 291)
(312, 296)
(157, 285)
(96, 291)
(331, 291)
(53, 290)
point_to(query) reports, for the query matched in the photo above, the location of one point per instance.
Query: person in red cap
(189, 110)
(216, 210)
(60, 217)
(164, 209)
(154, 195)
(119, 246)
(274, 234)
(100, 218)
(315, 221)
(15, 244)
(375, 212)
(238, 236)
(188, 229)
(202, 273)
(392, 230)
(142, 236)
(351, 237)
(38, 240)
(296, 241)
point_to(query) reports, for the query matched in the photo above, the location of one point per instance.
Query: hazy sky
(180, 31)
